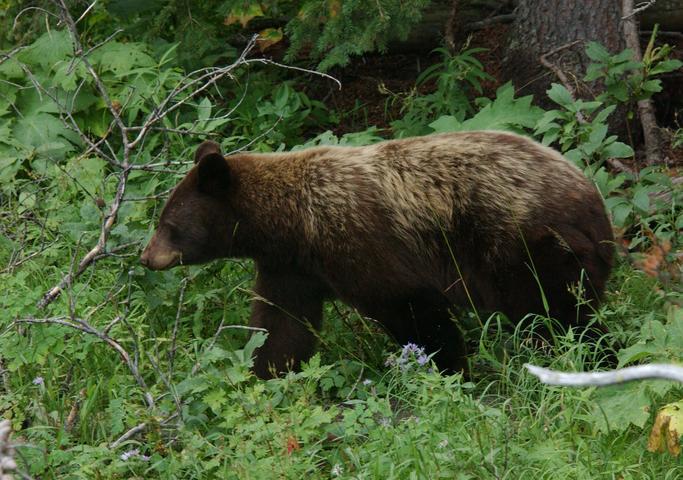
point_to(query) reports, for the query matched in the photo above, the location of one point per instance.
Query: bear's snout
(158, 256)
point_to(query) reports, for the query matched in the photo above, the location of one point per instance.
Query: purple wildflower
(422, 359)
(125, 456)
(410, 354)
(134, 453)
(39, 381)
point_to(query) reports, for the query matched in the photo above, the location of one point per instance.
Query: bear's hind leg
(289, 307)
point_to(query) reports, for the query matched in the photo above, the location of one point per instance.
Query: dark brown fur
(402, 231)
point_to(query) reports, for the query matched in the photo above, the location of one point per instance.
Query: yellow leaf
(243, 14)
(268, 38)
(667, 430)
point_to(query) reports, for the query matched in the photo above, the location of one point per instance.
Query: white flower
(337, 470)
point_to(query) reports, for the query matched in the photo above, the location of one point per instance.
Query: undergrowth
(363, 407)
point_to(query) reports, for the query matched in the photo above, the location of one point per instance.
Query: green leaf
(560, 95)
(666, 66)
(117, 414)
(602, 115)
(504, 113)
(593, 72)
(445, 123)
(595, 138)
(49, 49)
(41, 130)
(619, 91)
(215, 399)
(122, 58)
(652, 86)
(641, 199)
(574, 155)
(625, 55)
(204, 109)
(620, 213)
(255, 341)
(597, 52)
(617, 150)
(617, 407)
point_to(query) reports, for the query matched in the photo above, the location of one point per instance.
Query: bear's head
(196, 224)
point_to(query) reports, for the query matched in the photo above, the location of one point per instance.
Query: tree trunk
(542, 26)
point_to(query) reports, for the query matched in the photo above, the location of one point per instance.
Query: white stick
(628, 374)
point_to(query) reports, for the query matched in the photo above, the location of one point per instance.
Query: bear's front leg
(289, 306)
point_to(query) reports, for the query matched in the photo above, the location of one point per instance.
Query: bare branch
(4, 56)
(85, 327)
(174, 335)
(267, 61)
(87, 10)
(639, 8)
(97, 250)
(8, 466)
(207, 78)
(128, 435)
(504, 18)
(599, 379)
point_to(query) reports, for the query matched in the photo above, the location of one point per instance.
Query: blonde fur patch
(415, 185)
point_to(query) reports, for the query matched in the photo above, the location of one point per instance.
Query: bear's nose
(144, 259)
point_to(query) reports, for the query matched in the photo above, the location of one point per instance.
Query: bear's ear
(207, 147)
(213, 174)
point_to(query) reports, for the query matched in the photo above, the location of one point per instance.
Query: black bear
(402, 230)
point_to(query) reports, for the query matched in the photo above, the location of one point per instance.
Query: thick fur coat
(402, 230)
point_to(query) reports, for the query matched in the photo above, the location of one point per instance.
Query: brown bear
(402, 230)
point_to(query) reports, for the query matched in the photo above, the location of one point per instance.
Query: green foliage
(328, 31)
(282, 114)
(456, 78)
(618, 407)
(649, 204)
(580, 128)
(348, 413)
(335, 29)
(502, 113)
(625, 79)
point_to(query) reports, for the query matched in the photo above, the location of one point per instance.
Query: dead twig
(128, 435)
(627, 15)
(560, 74)
(504, 18)
(8, 465)
(97, 250)
(85, 327)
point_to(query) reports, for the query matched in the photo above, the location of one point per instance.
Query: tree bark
(541, 26)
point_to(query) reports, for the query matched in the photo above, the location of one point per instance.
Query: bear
(404, 231)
